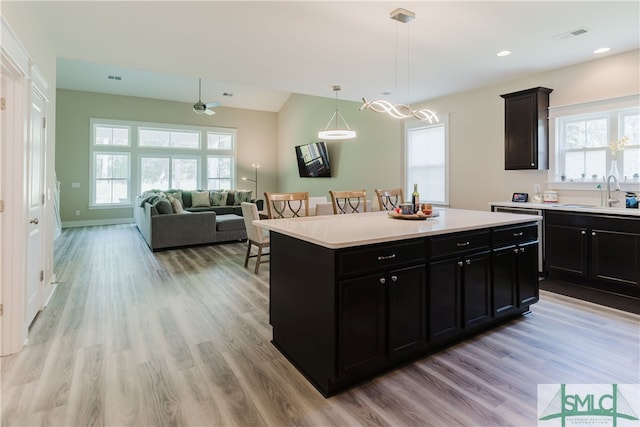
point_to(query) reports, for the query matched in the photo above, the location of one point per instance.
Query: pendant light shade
(400, 111)
(336, 131)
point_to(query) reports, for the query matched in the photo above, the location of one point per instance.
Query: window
(584, 135)
(110, 164)
(427, 161)
(131, 157)
(112, 178)
(219, 174)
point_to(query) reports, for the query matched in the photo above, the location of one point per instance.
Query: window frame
(136, 153)
(410, 126)
(612, 109)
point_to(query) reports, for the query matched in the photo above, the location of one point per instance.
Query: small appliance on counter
(631, 200)
(550, 196)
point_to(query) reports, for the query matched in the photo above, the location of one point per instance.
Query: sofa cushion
(200, 199)
(218, 198)
(163, 206)
(229, 222)
(242, 196)
(176, 194)
(176, 205)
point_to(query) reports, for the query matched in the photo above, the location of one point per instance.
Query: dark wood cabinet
(381, 317)
(600, 250)
(526, 137)
(514, 268)
(344, 315)
(459, 284)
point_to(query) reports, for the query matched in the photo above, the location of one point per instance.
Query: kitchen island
(354, 295)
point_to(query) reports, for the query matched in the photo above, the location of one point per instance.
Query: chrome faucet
(611, 201)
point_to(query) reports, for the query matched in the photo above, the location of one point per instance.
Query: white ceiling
(262, 51)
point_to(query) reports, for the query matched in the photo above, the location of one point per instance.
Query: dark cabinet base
(342, 316)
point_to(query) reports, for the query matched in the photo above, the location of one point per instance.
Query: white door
(35, 153)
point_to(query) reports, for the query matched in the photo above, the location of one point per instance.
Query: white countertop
(570, 207)
(343, 231)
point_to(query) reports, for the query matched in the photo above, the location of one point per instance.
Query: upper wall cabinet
(526, 135)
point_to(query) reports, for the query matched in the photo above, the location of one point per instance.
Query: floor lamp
(255, 166)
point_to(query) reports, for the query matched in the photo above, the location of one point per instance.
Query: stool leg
(246, 258)
(258, 259)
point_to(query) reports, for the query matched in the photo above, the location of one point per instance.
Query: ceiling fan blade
(212, 104)
(209, 112)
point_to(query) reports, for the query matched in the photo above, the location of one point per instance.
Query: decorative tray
(393, 214)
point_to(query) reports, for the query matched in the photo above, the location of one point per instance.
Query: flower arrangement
(617, 146)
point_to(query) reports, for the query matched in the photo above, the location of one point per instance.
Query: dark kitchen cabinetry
(459, 284)
(344, 315)
(381, 317)
(526, 137)
(602, 251)
(514, 265)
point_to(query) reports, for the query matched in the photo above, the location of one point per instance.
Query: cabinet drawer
(458, 243)
(511, 235)
(378, 257)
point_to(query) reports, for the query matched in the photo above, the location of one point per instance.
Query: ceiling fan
(202, 108)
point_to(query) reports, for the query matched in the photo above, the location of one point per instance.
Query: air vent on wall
(573, 33)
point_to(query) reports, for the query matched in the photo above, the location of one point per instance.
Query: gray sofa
(164, 225)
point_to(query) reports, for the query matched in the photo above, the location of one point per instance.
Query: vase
(613, 170)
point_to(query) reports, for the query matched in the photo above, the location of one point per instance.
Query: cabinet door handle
(383, 257)
(515, 251)
(521, 249)
(468, 261)
(394, 278)
(533, 164)
(518, 234)
(462, 244)
(583, 232)
(383, 280)
(593, 233)
(460, 263)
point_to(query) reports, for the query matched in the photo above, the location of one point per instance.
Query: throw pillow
(218, 198)
(200, 199)
(242, 196)
(163, 206)
(176, 194)
(176, 205)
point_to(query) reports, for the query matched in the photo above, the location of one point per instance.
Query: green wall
(256, 144)
(373, 159)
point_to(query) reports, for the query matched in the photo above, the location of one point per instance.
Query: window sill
(114, 206)
(590, 185)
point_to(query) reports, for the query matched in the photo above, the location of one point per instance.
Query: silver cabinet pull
(468, 261)
(394, 278)
(518, 234)
(515, 251)
(593, 233)
(35, 221)
(460, 263)
(462, 244)
(383, 280)
(383, 257)
(521, 249)
(583, 232)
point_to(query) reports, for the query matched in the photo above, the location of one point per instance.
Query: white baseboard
(91, 222)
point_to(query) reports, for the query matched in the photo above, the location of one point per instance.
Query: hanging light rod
(399, 111)
(336, 132)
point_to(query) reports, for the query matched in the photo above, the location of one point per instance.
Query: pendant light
(337, 132)
(400, 111)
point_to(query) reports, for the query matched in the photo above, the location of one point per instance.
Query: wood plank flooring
(181, 337)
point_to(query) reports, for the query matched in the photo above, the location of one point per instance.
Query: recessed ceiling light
(504, 53)
(602, 50)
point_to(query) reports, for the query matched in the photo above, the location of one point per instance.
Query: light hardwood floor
(181, 337)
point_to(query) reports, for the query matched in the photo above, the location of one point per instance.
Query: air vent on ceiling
(573, 33)
(114, 77)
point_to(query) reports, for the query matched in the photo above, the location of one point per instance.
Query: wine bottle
(415, 199)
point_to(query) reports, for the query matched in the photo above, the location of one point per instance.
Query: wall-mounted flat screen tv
(313, 160)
